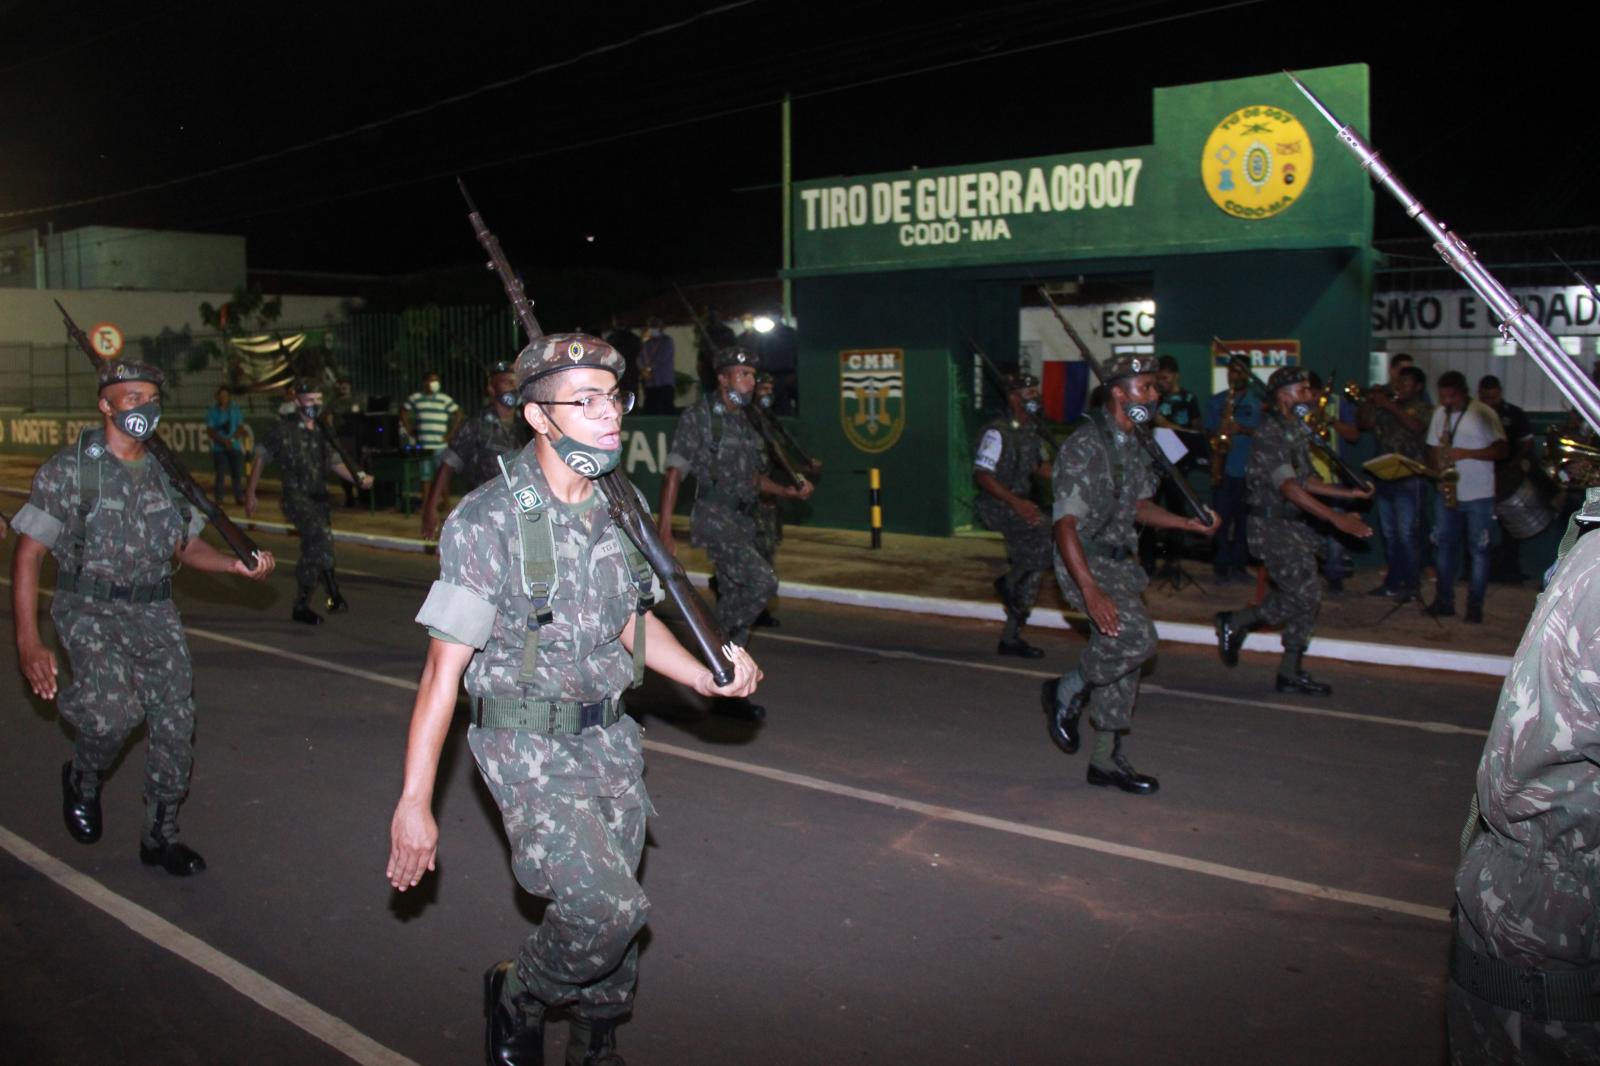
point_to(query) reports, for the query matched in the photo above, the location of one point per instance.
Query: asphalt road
(897, 867)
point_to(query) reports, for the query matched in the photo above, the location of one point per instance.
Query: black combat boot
(160, 846)
(738, 707)
(1110, 768)
(80, 803)
(1304, 684)
(336, 602)
(515, 1033)
(1232, 627)
(1063, 721)
(302, 608)
(592, 1042)
(764, 620)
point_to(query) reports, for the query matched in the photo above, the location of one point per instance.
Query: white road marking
(929, 810)
(308, 1017)
(1319, 712)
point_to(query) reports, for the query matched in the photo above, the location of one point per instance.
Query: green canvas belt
(1543, 995)
(96, 589)
(728, 500)
(1094, 549)
(543, 716)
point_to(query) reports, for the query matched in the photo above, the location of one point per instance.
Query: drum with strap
(1524, 513)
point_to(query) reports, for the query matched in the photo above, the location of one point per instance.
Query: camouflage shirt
(721, 450)
(133, 530)
(1392, 436)
(1527, 884)
(304, 456)
(480, 598)
(476, 449)
(1011, 451)
(1101, 473)
(1282, 452)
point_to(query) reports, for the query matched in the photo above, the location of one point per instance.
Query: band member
(1231, 418)
(1283, 491)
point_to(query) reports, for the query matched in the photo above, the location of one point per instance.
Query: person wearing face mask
(658, 370)
(305, 454)
(716, 445)
(1103, 481)
(478, 446)
(1011, 454)
(1283, 490)
(115, 523)
(431, 417)
(543, 607)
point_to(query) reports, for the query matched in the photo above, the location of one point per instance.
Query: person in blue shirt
(223, 422)
(1227, 477)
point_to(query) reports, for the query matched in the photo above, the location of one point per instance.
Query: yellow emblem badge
(1257, 162)
(575, 351)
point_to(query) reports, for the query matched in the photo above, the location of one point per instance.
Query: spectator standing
(223, 423)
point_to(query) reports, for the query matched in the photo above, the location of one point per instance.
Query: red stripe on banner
(1054, 388)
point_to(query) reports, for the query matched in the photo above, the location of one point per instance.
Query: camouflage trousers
(310, 518)
(1482, 1034)
(769, 531)
(130, 664)
(1288, 549)
(745, 580)
(1113, 664)
(580, 851)
(1029, 551)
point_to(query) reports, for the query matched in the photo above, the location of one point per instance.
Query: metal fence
(384, 355)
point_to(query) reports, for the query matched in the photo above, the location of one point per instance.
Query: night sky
(1494, 126)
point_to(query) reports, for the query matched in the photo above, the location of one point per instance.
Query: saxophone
(1219, 440)
(1449, 477)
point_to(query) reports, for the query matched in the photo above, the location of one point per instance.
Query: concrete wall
(114, 257)
(29, 316)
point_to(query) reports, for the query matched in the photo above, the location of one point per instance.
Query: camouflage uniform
(1101, 474)
(1012, 451)
(305, 458)
(1525, 890)
(1281, 537)
(477, 448)
(113, 610)
(573, 803)
(721, 450)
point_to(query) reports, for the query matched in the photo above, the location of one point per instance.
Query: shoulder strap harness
(86, 490)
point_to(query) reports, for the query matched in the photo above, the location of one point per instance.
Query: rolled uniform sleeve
(473, 566)
(1080, 466)
(197, 522)
(44, 516)
(688, 440)
(990, 447)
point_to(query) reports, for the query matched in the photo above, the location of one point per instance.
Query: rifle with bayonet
(764, 424)
(998, 380)
(237, 540)
(622, 499)
(1329, 454)
(1141, 432)
(1515, 322)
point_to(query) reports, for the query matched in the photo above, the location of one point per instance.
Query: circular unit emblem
(137, 425)
(584, 463)
(1257, 162)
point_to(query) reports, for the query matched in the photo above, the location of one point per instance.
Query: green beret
(1128, 366)
(1285, 376)
(736, 356)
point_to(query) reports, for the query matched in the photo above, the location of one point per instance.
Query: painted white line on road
(1189, 694)
(948, 814)
(1056, 836)
(308, 1017)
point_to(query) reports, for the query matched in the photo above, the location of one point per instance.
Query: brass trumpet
(1572, 463)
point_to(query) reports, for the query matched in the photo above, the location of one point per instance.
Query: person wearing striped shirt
(431, 418)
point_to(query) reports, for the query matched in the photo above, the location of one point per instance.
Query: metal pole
(788, 213)
(875, 500)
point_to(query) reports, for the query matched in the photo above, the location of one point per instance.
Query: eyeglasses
(598, 405)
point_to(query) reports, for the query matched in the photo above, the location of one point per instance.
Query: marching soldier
(1103, 482)
(1525, 957)
(1010, 454)
(716, 445)
(114, 522)
(1282, 491)
(543, 603)
(477, 447)
(305, 456)
(769, 520)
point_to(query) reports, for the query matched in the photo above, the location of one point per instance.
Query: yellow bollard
(874, 484)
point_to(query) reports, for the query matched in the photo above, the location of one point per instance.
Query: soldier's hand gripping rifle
(1329, 455)
(622, 499)
(1141, 432)
(237, 540)
(998, 380)
(1515, 322)
(764, 424)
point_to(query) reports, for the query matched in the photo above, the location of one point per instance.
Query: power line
(368, 127)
